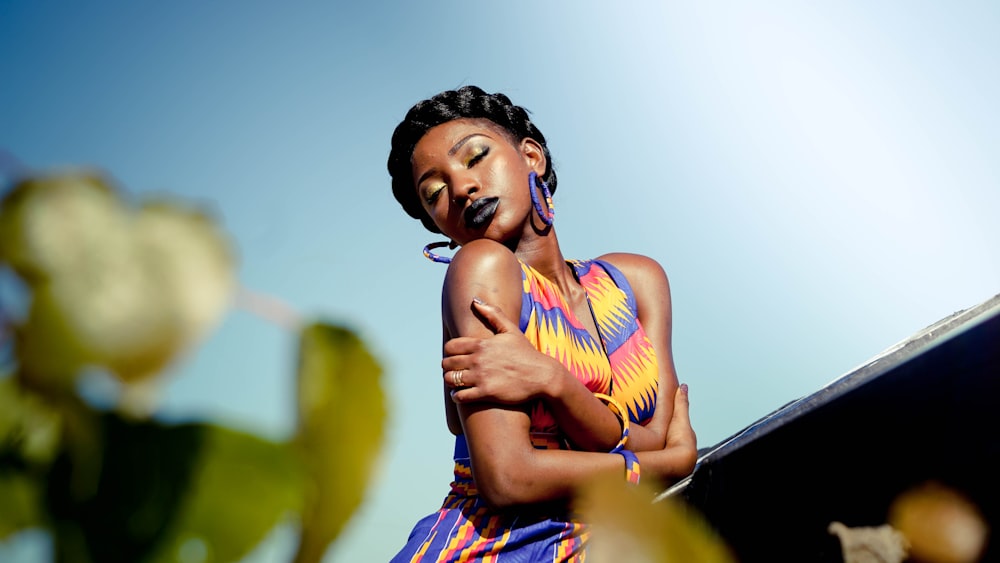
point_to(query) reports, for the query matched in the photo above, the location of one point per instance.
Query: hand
(503, 368)
(680, 433)
(678, 457)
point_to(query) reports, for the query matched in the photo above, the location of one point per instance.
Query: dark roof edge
(932, 336)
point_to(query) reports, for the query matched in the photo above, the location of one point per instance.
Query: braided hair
(466, 102)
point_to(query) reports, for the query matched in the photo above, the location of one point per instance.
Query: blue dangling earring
(546, 218)
(437, 257)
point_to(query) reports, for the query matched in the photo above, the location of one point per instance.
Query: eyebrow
(462, 141)
(451, 152)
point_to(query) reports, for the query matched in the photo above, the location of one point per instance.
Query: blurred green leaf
(241, 488)
(20, 494)
(49, 348)
(627, 526)
(145, 469)
(342, 420)
(164, 487)
(29, 439)
(29, 428)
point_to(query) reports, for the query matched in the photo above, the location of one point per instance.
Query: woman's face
(473, 180)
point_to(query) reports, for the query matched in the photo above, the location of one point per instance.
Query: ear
(534, 155)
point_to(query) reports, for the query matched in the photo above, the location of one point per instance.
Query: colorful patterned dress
(622, 364)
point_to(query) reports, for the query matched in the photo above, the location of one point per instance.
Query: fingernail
(684, 388)
(478, 301)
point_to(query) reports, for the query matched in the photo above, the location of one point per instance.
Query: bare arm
(507, 469)
(499, 369)
(500, 364)
(507, 369)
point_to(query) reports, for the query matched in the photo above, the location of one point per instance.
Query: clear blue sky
(820, 180)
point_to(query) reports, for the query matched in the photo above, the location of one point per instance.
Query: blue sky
(819, 180)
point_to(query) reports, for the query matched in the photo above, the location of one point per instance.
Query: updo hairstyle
(468, 102)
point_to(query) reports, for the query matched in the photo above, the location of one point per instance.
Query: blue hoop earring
(546, 218)
(437, 257)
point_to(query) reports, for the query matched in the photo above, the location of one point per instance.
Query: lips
(481, 212)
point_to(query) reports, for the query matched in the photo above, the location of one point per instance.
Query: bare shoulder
(482, 259)
(481, 269)
(642, 272)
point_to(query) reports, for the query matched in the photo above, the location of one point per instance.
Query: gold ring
(458, 378)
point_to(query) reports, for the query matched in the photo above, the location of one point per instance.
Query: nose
(465, 187)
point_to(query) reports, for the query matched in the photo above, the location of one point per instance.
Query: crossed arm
(505, 372)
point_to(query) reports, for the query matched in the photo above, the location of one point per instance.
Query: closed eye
(478, 156)
(434, 195)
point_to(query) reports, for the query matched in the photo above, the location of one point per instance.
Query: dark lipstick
(480, 213)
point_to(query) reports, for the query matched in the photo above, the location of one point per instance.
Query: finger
(681, 431)
(681, 402)
(681, 416)
(456, 378)
(461, 345)
(466, 395)
(497, 319)
(456, 362)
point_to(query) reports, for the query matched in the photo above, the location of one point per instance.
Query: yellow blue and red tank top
(621, 363)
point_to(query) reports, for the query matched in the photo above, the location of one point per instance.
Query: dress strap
(526, 301)
(621, 282)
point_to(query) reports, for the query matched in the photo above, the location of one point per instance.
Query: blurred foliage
(942, 524)
(340, 429)
(126, 291)
(626, 525)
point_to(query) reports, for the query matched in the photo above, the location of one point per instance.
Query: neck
(543, 254)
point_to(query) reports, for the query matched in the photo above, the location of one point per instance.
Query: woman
(581, 384)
